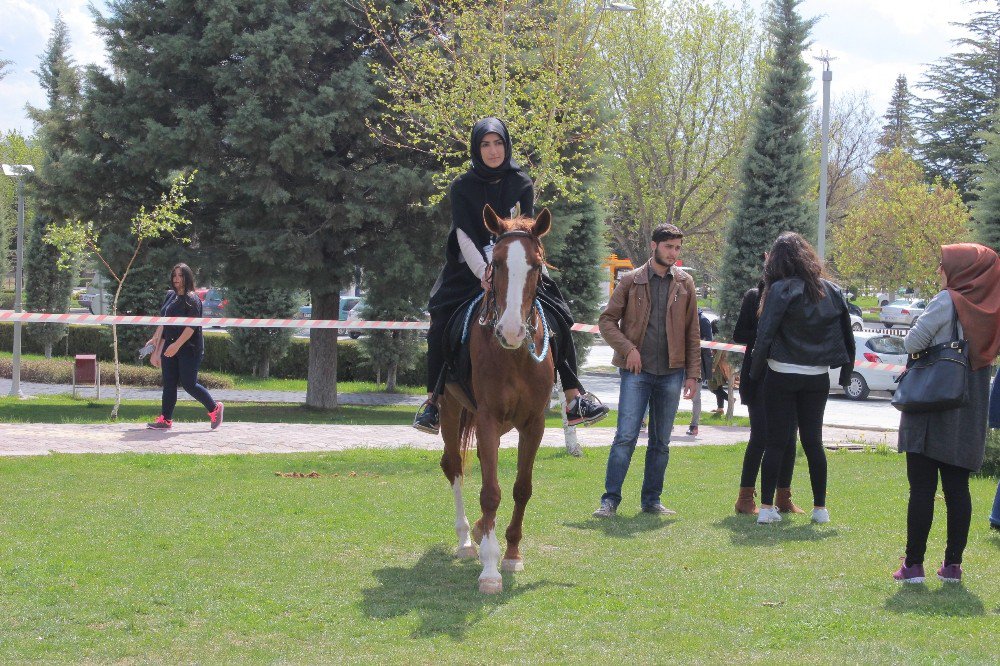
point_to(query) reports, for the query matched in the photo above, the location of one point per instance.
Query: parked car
(854, 309)
(904, 311)
(857, 323)
(99, 297)
(872, 348)
(214, 303)
(346, 303)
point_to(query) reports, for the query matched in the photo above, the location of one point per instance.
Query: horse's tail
(466, 432)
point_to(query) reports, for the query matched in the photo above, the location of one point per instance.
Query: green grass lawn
(65, 409)
(170, 558)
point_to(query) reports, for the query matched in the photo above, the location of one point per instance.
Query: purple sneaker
(950, 573)
(914, 574)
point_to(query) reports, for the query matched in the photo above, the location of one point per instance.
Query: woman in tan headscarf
(951, 444)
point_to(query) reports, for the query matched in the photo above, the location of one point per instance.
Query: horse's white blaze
(461, 522)
(489, 555)
(517, 274)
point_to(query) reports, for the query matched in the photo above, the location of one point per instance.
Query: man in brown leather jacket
(651, 323)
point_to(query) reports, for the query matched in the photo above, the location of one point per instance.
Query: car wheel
(355, 335)
(857, 327)
(858, 388)
(883, 304)
(914, 322)
(887, 324)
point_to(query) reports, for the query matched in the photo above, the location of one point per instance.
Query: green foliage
(60, 371)
(48, 288)
(961, 102)
(255, 349)
(15, 148)
(682, 77)
(775, 189)
(986, 208)
(991, 463)
(894, 235)
(899, 130)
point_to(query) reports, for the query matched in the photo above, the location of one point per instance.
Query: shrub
(991, 464)
(60, 371)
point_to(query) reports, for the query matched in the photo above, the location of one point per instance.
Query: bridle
(491, 312)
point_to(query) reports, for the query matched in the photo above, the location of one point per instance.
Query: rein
(491, 313)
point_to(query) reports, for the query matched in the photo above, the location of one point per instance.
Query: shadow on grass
(625, 527)
(950, 600)
(744, 531)
(442, 591)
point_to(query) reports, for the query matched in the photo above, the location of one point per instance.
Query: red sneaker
(160, 423)
(215, 416)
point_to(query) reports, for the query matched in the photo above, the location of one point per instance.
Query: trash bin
(86, 373)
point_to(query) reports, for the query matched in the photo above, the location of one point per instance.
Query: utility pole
(18, 172)
(824, 159)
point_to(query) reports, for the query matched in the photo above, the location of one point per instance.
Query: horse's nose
(512, 333)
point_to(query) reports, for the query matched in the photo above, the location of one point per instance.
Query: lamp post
(824, 158)
(18, 172)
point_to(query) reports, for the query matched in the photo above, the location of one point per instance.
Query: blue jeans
(995, 516)
(662, 393)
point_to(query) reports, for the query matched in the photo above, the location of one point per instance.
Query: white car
(904, 311)
(857, 323)
(872, 348)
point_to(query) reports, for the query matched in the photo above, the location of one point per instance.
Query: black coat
(793, 329)
(745, 333)
(512, 194)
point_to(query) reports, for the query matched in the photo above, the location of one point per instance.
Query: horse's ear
(543, 223)
(491, 220)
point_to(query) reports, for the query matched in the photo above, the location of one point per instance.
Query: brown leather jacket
(623, 323)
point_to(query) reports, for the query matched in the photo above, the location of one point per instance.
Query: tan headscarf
(972, 272)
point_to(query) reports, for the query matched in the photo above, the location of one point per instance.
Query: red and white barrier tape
(350, 324)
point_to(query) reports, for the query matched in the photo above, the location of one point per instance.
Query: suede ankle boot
(745, 503)
(783, 500)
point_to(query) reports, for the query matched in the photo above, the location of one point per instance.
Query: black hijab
(479, 168)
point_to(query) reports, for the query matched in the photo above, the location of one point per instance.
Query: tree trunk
(390, 377)
(321, 391)
(264, 366)
(48, 350)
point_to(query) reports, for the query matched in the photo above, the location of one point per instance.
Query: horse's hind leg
(527, 446)
(451, 464)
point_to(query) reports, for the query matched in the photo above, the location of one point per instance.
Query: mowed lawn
(170, 559)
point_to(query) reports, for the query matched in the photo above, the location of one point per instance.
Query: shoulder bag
(935, 379)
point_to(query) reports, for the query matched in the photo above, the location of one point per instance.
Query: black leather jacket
(793, 329)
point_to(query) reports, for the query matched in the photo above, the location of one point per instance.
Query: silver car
(872, 348)
(904, 311)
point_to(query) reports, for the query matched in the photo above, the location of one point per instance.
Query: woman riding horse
(493, 178)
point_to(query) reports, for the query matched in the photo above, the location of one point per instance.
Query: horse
(512, 376)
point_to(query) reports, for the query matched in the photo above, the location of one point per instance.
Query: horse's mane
(519, 223)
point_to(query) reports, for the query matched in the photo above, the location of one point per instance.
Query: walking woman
(178, 351)
(493, 178)
(951, 444)
(752, 396)
(804, 330)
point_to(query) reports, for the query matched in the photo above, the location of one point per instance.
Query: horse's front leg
(528, 442)
(488, 445)
(451, 464)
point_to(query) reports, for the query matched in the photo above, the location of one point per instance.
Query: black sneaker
(585, 410)
(428, 419)
(995, 526)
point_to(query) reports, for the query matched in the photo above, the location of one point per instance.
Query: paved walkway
(26, 439)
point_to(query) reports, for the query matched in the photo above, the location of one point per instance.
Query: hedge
(353, 363)
(991, 464)
(60, 371)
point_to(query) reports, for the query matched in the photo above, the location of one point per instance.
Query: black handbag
(935, 379)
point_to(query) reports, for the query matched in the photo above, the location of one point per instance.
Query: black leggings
(182, 368)
(721, 397)
(922, 473)
(789, 398)
(755, 447)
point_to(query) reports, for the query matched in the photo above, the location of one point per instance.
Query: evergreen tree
(268, 101)
(775, 187)
(255, 349)
(899, 130)
(964, 88)
(48, 288)
(986, 209)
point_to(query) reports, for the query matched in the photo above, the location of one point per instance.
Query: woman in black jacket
(493, 178)
(804, 330)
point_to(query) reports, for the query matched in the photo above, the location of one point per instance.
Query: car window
(886, 344)
(901, 303)
(920, 304)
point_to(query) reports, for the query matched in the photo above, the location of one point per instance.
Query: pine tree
(986, 209)
(48, 288)
(899, 130)
(963, 91)
(775, 188)
(255, 349)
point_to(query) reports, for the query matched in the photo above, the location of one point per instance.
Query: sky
(873, 42)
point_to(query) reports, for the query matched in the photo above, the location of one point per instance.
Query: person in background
(182, 351)
(951, 444)
(705, 329)
(804, 330)
(995, 423)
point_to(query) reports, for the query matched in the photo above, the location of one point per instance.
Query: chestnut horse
(512, 376)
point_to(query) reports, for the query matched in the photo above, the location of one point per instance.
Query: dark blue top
(188, 305)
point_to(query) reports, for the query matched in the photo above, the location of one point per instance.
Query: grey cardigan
(956, 436)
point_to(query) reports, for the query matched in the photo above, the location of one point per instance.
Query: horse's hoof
(512, 565)
(466, 552)
(490, 585)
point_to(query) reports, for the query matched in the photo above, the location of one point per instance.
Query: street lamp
(824, 154)
(18, 172)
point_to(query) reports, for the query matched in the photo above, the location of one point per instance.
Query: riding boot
(783, 501)
(745, 503)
